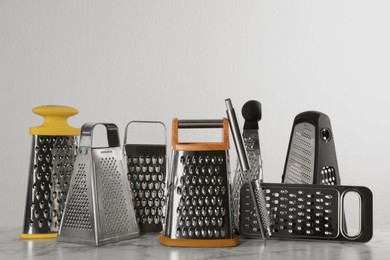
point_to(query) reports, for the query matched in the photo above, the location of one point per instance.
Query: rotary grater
(251, 111)
(316, 212)
(311, 156)
(147, 166)
(199, 201)
(53, 151)
(99, 208)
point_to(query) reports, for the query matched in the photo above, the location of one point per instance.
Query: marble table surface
(148, 247)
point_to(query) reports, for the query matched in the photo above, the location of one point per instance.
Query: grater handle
(237, 137)
(55, 121)
(210, 123)
(87, 133)
(205, 146)
(145, 122)
(366, 218)
(251, 111)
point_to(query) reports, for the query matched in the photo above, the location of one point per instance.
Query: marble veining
(148, 247)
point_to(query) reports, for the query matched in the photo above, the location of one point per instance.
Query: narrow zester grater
(99, 208)
(315, 212)
(54, 147)
(311, 156)
(199, 192)
(251, 112)
(147, 166)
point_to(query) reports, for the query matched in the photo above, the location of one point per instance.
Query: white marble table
(147, 247)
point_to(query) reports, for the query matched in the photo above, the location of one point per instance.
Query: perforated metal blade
(300, 162)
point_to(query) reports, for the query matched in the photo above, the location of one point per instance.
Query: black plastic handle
(251, 111)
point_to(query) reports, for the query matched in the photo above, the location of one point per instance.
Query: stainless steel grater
(251, 112)
(147, 166)
(99, 208)
(311, 157)
(53, 151)
(314, 212)
(199, 192)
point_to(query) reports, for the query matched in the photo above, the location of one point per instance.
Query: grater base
(38, 236)
(201, 243)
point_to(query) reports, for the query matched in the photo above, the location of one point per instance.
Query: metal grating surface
(300, 164)
(78, 215)
(114, 200)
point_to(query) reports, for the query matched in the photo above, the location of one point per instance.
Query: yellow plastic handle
(55, 121)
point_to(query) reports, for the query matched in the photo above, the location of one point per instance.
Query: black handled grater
(251, 111)
(54, 146)
(99, 208)
(147, 166)
(309, 211)
(311, 159)
(311, 156)
(199, 192)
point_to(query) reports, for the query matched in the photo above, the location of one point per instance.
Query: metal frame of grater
(147, 173)
(54, 147)
(311, 156)
(315, 212)
(199, 191)
(99, 208)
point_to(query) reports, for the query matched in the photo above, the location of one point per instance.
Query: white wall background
(118, 61)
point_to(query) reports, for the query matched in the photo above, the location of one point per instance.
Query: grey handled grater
(314, 212)
(99, 208)
(147, 166)
(54, 147)
(251, 111)
(198, 201)
(311, 156)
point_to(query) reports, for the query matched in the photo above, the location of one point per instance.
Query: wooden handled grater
(199, 193)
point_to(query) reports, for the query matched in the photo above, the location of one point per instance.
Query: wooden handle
(205, 146)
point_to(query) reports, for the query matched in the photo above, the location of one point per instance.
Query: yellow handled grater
(53, 151)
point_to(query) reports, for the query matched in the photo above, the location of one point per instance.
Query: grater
(264, 222)
(99, 208)
(302, 211)
(251, 112)
(147, 165)
(53, 151)
(198, 203)
(311, 156)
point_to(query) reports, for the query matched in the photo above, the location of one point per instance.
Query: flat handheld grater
(314, 212)
(54, 146)
(147, 173)
(199, 191)
(99, 208)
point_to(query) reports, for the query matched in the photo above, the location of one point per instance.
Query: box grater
(311, 156)
(301, 211)
(99, 208)
(198, 203)
(147, 165)
(53, 151)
